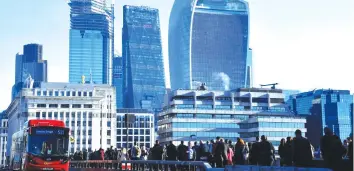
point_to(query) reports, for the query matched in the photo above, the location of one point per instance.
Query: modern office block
(143, 68)
(117, 80)
(91, 41)
(30, 64)
(289, 97)
(326, 108)
(88, 110)
(141, 131)
(209, 43)
(245, 113)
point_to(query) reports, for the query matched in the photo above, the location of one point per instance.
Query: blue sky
(301, 44)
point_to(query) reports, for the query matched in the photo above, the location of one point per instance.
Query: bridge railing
(142, 165)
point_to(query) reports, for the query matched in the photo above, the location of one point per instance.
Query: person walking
(281, 152)
(254, 152)
(266, 156)
(240, 153)
(182, 152)
(332, 150)
(288, 158)
(172, 154)
(301, 150)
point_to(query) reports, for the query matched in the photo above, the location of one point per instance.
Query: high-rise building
(88, 110)
(91, 41)
(326, 108)
(31, 63)
(209, 43)
(244, 113)
(143, 67)
(117, 80)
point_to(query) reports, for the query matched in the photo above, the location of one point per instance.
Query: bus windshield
(48, 142)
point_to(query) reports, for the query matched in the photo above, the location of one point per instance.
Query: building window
(61, 114)
(39, 93)
(43, 114)
(56, 93)
(89, 141)
(79, 93)
(90, 94)
(64, 105)
(85, 93)
(108, 123)
(55, 114)
(38, 114)
(89, 123)
(72, 114)
(90, 114)
(72, 124)
(78, 123)
(84, 115)
(84, 123)
(76, 106)
(41, 105)
(44, 93)
(87, 105)
(49, 114)
(67, 115)
(68, 93)
(62, 93)
(108, 132)
(53, 105)
(89, 132)
(108, 141)
(73, 93)
(50, 93)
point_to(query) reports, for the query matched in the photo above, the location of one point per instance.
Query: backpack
(136, 152)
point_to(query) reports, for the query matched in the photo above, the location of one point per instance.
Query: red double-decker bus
(41, 145)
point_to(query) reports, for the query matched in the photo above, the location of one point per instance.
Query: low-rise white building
(142, 131)
(89, 110)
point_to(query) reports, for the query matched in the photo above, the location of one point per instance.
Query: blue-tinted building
(143, 68)
(117, 80)
(245, 113)
(209, 43)
(326, 108)
(289, 98)
(31, 63)
(91, 44)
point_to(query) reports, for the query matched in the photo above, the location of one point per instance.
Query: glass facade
(31, 63)
(143, 69)
(326, 108)
(117, 79)
(209, 44)
(91, 42)
(249, 69)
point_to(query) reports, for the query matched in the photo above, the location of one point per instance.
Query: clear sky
(300, 44)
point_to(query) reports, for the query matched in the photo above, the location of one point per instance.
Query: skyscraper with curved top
(91, 43)
(209, 43)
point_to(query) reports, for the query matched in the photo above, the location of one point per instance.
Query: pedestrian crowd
(296, 151)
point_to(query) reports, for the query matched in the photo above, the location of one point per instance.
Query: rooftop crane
(273, 85)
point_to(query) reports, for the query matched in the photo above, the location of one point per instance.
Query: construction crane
(273, 85)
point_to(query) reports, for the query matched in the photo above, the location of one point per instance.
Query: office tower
(30, 64)
(208, 43)
(91, 41)
(117, 80)
(88, 110)
(244, 113)
(289, 98)
(326, 108)
(143, 69)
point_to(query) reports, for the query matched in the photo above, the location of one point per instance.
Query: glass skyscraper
(326, 108)
(143, 68)
(91, 41)
(117, 80)
(31, 63)
(208, 43)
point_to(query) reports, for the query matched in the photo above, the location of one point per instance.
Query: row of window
(64, 93)
(124, 145)
(236, 99)
(58, 115)
(75, 106)
(271, 125)
(199, 125)
(136, 125)
(282, 134)
(228, 107)
(133, 138)
(131, 131)
(203, 116)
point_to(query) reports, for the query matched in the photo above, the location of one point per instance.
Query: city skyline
(277, 57)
